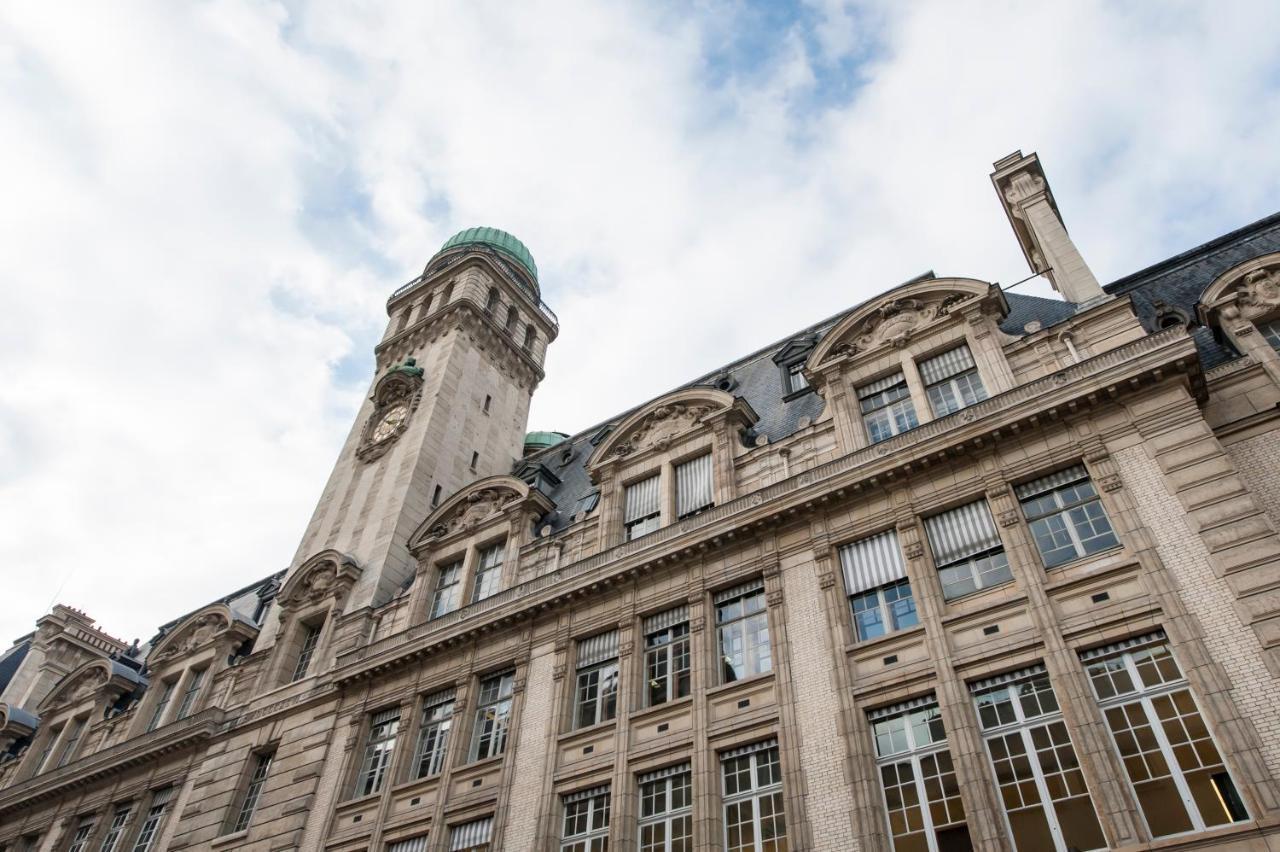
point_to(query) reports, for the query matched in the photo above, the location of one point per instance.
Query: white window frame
(1141, 650)
(667, 657)
(487, 581)
(757, 757)
(448, 589)
(595, 684)
(80, 840)
(949, 384)
(1270, 331)
(379, 751)
(435, 726)
(310, 639)
(71, 741)
(1021, 688)
(253, 790)
(162, 703)
(1043, 502)
(917, 715)
(892, 613)
(637, 522)
(492, 716)
(151, 826)
(796, 381)
(591, 808)
(660, 789)
(886, 415)
(119, 820)
(946, 527)
(873, 568)
(694, 475)
(746, 628)
(471, 836)
(195, 682)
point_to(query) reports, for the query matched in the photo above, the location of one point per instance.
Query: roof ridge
(1134, 279)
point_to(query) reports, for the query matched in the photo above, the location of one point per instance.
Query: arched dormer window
(311, 598)
(920, 352)
(70, 713)
(669, 460)
(1243, 306)
(467, 548)
(790, 360)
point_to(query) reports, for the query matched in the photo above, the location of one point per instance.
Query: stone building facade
(956, 568)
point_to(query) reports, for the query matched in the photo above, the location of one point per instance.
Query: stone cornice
(1067, 392)
(114, 760)
(466, 316)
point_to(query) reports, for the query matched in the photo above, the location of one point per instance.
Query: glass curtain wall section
(1174, 766)
(380, 746)
(666, 656)
(1046, 802)
(875, 578)
(918, 778)
(742, 631)
(488, 579)
(754, 817)
(448, 585)
(586, 821)
(694, 491)
(951, 381)
(967, 550)
(886, 407)
(1066, 516)
(493, 716)
(433, 734)
(642, 507)
(666, 810)
(595, 695)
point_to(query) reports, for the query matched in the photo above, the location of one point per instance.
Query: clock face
(390, 422)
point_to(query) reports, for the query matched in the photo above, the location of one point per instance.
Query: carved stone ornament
(914, 550)
(475, 508)
(661, 426)
(826, 580)
(1008, 517)
(395, 397)
(1260, 289)
(1110, 482)
(557, 673)
(774, 598)
(193, 636)
(329, 575)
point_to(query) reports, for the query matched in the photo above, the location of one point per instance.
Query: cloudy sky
(206, 205)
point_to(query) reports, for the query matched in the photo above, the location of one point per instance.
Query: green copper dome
(495, 239)
(535, 441)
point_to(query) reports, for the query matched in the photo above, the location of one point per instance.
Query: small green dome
(495, 239)
(535, 441)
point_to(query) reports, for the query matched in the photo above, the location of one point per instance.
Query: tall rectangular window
(310, 638)
(74, 731)
(951, 381)
(742, 631)
(192, 692)
(586, 821)
(448, 584)
(493, 715)
(1168, 752)
(1066, 516)
(471, 836)
(918, 779)
(1045, 799)
(642, 510)
(1271, 333)
(433, 734)
(379, 748)
(876, 580)
(595, 694)
(253, 790)
(666, 656)
(166, 694)
(967, 550)
(754, 817)
(886, 406)
(119, 820)
(693, 486)
(796, 381)
(666, 810)
(155, 819)
(80, 840)
(488, 577)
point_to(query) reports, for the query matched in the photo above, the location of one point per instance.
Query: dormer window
(448, 584)
(166, 693)
(1271, 332)
(886, 407)
(951, 381)
(310, 638)
(642, 507)
(796, 381)
(194, 683)
(488, 577)
(74, 731)
(693, 486)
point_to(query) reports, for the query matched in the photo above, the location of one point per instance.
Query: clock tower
(449, 403)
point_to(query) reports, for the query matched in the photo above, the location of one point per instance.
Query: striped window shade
(1122, 645)
(740, 590)
(1006, 678)
(663, 620)
(412, 844)
(642, 499)
(598, 648)
(748, 749)
(665, 772)
(963, 532)
(953, 362)
(693, 485)
(878, 385)
(1075, 473)
(470, 834)
(438, 697)
(582, 795)
(162, 796)
(872, 562)
(902, 707)
(382, 717)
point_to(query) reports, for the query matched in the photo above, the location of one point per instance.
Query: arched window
(426, 306)
(530, 335)
(448, 295)
(491, 304)
(512, 317)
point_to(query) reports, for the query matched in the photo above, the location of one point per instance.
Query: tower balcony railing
(534, 299)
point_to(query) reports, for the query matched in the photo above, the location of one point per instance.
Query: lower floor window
(883, 610)
(666, 810)
(471, 836)
(586, 821)
(754, 816)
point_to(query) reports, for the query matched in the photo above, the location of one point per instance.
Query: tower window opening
(435, 497)
(487, 400)
(448, 295)
(475, 459)
(512, 318)
(529, 336)
(491, 303)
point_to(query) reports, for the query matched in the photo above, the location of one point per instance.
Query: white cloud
(208, 205)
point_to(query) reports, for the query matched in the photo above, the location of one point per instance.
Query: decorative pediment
(489, 500)
(902, 314)
(658, 425)
(1248, 291)
(211, 625)
(795, 349)
(91, 680)
(329, 575)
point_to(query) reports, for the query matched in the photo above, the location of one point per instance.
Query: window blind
(1006, 677)
(162, 796)
(962, 532)
(641, 499)
(902, 707)
(470, 834)
(581, 795)
(413, 844)
(663, 620)
(665, 772)
(438, 697)
(756, 585)
(1122, 645)
(872, 562)
(693, 485)
(1075, 473)
(953, 362)
(391, 714)
(878, 385)
(597, 649)
(749, 749)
